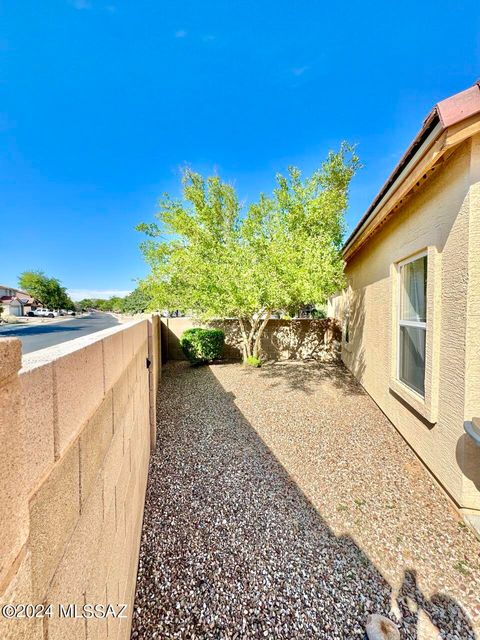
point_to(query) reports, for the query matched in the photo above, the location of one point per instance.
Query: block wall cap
(43, 356)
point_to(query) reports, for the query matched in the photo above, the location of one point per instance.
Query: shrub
(202, 345)
(9, 319)
(253, 362)
(319, 314)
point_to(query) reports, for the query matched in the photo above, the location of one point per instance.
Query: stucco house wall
(441, 217)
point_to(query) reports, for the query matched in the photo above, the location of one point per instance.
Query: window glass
(414, 290)
(412, 357)
(412, 324)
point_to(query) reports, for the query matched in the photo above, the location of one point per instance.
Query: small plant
(251, 361)
(342, 507)
(319, 314)
(9, 319)
(202, 345)
(462, 567)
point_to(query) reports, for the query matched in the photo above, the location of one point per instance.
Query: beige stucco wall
(300, 339)
(76, 431)
(442, 217)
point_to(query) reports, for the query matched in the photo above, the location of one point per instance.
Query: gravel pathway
(283, 504)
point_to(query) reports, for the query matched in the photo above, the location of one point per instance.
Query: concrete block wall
(77, 424)
(300, 339)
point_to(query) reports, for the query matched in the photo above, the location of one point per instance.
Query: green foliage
(137, 302)
(85, 303)
(202, 345)
(319, 314)
(49, 291)
(252, 361)
(210, 259)
(115, 304)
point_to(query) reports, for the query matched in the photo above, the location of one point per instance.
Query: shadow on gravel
(304, 376)
(232, 548)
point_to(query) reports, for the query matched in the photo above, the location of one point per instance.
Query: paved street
(46, 335)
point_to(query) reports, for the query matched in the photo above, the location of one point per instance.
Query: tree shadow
(306, 376)
(302, 339)
(282, 340)
(231, 546)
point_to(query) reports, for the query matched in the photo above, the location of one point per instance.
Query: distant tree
(102, 304)
(209, 259)
(137, 302)
(114, 304)
(85, 303)
(49, 291)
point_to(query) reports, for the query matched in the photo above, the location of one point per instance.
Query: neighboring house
(11, 306)
(411, 313)
(16, 302)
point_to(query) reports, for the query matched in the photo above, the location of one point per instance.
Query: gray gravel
(282, 504)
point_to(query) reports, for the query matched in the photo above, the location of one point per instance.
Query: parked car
(42, 312)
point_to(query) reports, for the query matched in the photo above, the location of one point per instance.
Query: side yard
(283, 504)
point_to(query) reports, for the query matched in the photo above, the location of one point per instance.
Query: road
(46, 335)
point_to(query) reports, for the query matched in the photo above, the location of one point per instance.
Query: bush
(319, 314)
(9, 319)
(253, 362)
(202, 345)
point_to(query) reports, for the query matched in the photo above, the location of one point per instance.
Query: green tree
(85, 303)
(49, 291)
(210, 260)
(113, 304)
(137, 302)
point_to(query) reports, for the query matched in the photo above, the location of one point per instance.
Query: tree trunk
(257, 343)
(245, 340)
(251, 341)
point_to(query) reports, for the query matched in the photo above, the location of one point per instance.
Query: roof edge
(445, 113)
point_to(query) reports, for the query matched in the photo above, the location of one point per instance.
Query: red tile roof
(460, 106)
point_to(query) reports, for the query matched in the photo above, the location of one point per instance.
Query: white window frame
(410, 323)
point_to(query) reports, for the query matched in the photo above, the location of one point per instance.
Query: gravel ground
(282, 504)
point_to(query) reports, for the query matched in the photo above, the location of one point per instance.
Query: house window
(413, 323)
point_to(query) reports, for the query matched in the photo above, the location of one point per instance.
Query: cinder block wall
(300, 339)
(76, 431)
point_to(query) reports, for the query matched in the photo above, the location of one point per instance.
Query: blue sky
(102, 101)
